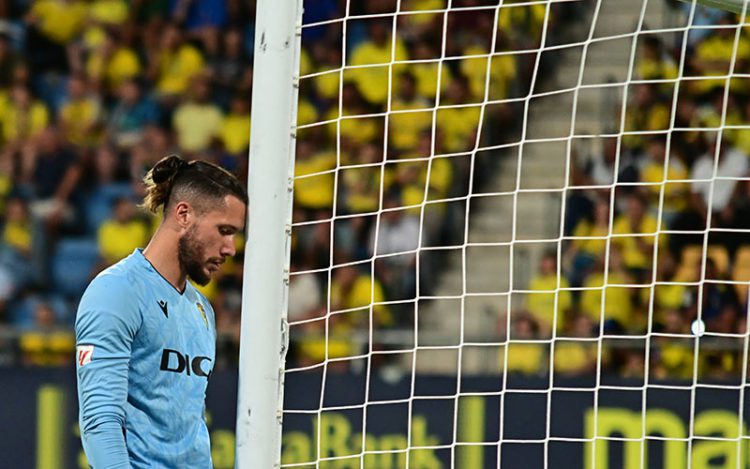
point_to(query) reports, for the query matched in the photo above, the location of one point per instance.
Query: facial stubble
(191, 256)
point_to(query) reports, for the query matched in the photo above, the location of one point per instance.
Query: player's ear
(183, 214)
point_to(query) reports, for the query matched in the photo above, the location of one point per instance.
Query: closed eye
(227, 230)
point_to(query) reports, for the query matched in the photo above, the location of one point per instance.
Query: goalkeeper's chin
(204, 275)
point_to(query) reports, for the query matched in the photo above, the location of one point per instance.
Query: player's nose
(228, 249)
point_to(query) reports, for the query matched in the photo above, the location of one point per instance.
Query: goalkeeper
(145, 337)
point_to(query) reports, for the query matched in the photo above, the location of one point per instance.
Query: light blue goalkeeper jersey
(144, 355)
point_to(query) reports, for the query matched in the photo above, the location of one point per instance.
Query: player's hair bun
(159, 181)
(167, 168)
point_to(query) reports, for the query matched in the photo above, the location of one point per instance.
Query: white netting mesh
(519, 236)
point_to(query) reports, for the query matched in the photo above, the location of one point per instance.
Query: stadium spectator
(326, 85)
(360, 184)
(119, 236)
(457, 123)
(52, 26)
(524, 356)
(137, 62)
(24, 117)
(661, 174)
(80, 116)
(312, 243)
(228, 67)
(718, 112)
(714, 55)
(425, 71)
(648, 110)
(352, 292)
(198, 120)
(234, 131)
(672, 357)
(173, 64)
(305, 299)
(111, 63)
(603, 167)
(102, 183)
(47, 343)
(412, 115)
(394, 241)
(9, 60)
(333, 336)
(669, 293)
(437, 174)
(316, 191)
(17, 234)
(503, 70)
(103, 14)
(406, 180)
(551, 300)
(731, 164)
(613, 290)
(588, 244)
(378, 50)
(600, 167)
(17, 247)
(524, 21)
(717, 303)
(353, 127)
(575, 357)
(654, 63)
(50, 173)
(130, 115)
(636, 231)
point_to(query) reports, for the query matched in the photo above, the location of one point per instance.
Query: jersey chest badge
(203, 313)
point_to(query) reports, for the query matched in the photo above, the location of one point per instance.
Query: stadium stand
(92, 93)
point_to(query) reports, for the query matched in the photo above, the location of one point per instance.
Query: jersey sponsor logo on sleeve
(84, 354)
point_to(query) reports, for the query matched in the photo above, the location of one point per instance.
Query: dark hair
(201, 182)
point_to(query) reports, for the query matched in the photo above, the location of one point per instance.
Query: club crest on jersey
(84, 354)
(203, 313)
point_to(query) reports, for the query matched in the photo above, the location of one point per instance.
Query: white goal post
(264, 294)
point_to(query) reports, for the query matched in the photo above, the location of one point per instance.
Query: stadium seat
(72, 265)
(98, 205)
(21, 313)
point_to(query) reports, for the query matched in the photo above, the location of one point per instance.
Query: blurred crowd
(386, 157)
(660, 217)
(93, 93)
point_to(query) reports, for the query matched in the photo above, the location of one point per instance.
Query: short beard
(191, 256)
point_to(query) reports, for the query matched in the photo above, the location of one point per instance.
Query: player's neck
(161, 252)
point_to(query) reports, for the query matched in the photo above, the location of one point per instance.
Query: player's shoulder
(121, 278)
(113, 297)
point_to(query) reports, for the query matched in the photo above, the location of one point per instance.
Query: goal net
(519, 236)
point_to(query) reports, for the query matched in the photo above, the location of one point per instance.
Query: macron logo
(84, 353)
(163, 306)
